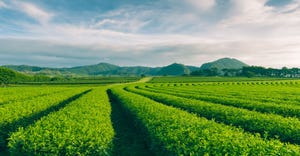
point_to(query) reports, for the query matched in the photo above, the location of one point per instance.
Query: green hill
(174, 69)
(98, 69)
(11, 76)
(26, 68)
(105, 69)
(224, 63)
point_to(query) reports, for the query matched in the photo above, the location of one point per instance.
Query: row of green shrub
(274, 94)
(274, 126)
(24, 112)
(287, 110)
(171, 131)
(13, 94)
(83, 127)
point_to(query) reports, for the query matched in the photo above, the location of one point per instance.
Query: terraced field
(177, 118)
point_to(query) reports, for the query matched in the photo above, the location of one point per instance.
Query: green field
(193, 79)
(159, 116)
(100, 80)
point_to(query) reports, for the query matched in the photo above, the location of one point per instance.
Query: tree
(6, 75)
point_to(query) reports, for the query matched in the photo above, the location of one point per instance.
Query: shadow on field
(128, 140)
(6, 129)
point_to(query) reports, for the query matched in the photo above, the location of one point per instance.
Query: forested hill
(224, 63)
(221, 67)
(10, 76)
(106, 69)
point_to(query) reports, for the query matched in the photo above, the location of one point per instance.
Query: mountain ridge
(107, 69)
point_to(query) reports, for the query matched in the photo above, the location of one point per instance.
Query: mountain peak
(174, 69)
(224, 63)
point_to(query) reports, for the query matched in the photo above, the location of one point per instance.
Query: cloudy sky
(64, 33)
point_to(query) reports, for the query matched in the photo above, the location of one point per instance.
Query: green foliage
(24, 112)
(274, 125)
(6, 75)
(270, 72)
(13, 94)
(172, 131)
(83, 127)
(173, 116)
(206, 72)
(24, 68)
(40, 78)
(9, 76)
(197, 79)
(289, 109)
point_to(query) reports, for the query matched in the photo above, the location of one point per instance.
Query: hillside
(106, 69)
(98, 69)
(222, 67)
(11, 76)
(224, 63)
(174, 69)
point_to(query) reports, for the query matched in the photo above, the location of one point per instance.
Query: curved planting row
(278, 94)
(287, 95)
(9, 95)
(286, 129)
(83, 127)
(195, 79)
(23, 113)
(226, 81)
(269, 95)
(171, 131)
(284, 110)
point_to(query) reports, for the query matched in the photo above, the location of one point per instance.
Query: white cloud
(252, 31)
(255, 20)
(33, 11)
(2, 4)
(249, 6)
(247, 12)
(132, 25)
(202, 5)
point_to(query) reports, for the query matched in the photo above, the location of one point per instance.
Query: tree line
(8, 76)
(251, 71)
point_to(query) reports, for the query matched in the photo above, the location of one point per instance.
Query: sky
(66, 33)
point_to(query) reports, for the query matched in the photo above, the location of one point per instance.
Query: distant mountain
(174, 69)
(98, 69)
(26, 68)
(35, 69)
(224, 63)
(106, 69)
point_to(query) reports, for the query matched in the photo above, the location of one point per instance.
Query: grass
(195, 79)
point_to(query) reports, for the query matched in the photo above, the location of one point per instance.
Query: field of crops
(194, 79)
(183, 117)
(100, 80)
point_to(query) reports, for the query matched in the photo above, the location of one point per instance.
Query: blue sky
(61, 33)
